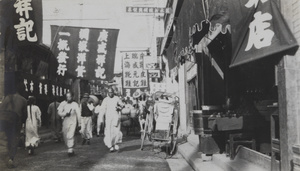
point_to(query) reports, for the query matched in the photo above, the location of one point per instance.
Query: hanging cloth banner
(85, 52)
(258, 30)
(21, 22)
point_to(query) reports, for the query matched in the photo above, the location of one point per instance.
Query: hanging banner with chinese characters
(134, 74)
(85, 52)
(258, 30)
(42, 89)
(21, 23)
(28, 20)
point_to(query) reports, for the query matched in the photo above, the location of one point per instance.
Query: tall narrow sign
(85, 52)
(134, 75)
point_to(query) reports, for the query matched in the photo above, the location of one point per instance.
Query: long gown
(32, 123)
(69, 122)
(112, 133)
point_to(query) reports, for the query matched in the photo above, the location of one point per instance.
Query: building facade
(199, 49)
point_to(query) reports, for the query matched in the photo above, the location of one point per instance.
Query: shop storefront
(240, 83)
(35, 68)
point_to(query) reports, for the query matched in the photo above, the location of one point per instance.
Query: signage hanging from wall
(154, 73)
(258, 30)
(85, 52)
(134, 74)
(148, 10)
(151, 62)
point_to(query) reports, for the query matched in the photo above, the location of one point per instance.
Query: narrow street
(53, 156)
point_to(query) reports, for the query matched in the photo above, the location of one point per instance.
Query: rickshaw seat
(164, 111)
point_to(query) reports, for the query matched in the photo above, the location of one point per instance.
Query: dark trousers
(10, 128)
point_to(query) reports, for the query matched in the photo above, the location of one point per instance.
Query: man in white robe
(112, 133)
(70, 112)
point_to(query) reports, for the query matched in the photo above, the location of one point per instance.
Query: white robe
(32, 123)
(69, 122)
(112, 132)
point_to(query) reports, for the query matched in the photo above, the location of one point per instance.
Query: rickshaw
(161, 122)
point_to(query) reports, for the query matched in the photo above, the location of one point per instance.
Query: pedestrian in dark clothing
(86, 119)
(55, 121)
(13, 114)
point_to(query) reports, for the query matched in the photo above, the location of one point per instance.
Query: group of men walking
(81, 116)
(65, 118)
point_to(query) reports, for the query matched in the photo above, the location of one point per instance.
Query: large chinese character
(84, 34)
(82, 46)
(126, 56)
(126, 64)
(135, 74)
(41, 88)
(23, 6)
(134, 56)
(142, 56)
(135, 65)
(136, 83)
(62, 57)
(127, 74)
(63, 45)
(254, 3)
(259, 35)
(103, 36)
(143, 83)
(46, 89)
(143, 74)
(81, 58)
(127, 83)
(142, 64)
(100, 73)
(80, 71)
(100, 60)
(24, 29)
(61, 69)
(102, 48)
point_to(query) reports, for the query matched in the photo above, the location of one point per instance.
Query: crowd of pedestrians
(18, 113)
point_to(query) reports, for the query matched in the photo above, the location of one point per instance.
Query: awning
(258, 30)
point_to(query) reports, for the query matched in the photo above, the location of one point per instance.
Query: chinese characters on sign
(134, 75)
(37, 88)
(85, 52)
(82, 51)
(101, 56)
(25, 27)
(258, 31)
(154, 73)
(148, 10)
(63, 49)
(260, 35)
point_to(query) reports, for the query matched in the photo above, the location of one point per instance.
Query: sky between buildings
(137, 31)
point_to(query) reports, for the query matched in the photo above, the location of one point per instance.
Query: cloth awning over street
(258, 31)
